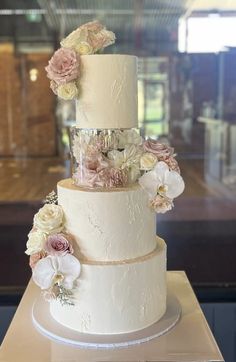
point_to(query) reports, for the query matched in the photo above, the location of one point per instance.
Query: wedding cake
(93, 247)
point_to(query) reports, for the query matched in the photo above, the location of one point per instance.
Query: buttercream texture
(108, 226)
(118, 297)
(108, 92)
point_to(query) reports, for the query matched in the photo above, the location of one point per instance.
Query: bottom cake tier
(117, 297)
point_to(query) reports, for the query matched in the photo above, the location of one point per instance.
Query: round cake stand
(49, 327)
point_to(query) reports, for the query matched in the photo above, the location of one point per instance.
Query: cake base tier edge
(53, 330)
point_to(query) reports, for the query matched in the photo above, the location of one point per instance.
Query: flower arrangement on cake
(118, 158)
(54, 269)
(64, 67)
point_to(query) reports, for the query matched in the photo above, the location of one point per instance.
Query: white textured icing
(117, 297)
(108, 225)
(108, 92)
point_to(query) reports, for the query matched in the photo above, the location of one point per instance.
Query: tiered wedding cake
(95, 254)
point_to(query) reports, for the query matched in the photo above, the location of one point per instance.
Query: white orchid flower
(36, 242)
(56, 269)
(162, 181)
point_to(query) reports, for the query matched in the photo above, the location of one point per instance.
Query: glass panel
(216, 33)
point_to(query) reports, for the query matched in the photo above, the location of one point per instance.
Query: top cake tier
(108, 92)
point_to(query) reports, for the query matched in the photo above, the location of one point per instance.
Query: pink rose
(161, 150)
(89, 178)
(117, 178)
(93, 26)
(58, 245)
(63, 67)
(161, 204)
(173, 164)
(101, 39)
(106, 177)
(34, 258)
(95, 161)
(93, 169)
(98, 36)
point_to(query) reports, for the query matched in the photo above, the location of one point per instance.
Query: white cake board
(49, 327)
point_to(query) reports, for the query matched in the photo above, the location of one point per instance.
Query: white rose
(117, 158)
(109, 37)
(83, 48)
(36, 242)
(67, 91)
(129, 157)
(49, 219)
(130, 136)
(148, 161)
(133, 174)
(128, 160)
(77, 36)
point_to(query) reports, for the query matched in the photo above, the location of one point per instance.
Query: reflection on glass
(154, 97)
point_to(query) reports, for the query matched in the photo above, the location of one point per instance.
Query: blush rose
(58, 245)
(63, 67)
(160, 150)
(34, 258)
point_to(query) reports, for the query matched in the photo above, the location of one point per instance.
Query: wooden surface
(30, 179)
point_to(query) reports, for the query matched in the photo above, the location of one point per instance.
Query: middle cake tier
(108, 225)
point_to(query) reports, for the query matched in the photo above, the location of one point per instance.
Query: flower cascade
(64, 68)
(54, 269)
